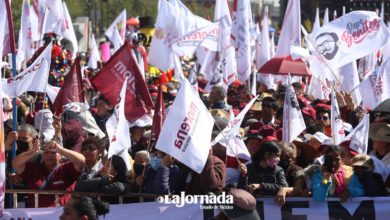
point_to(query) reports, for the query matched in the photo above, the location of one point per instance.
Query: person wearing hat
(363, 167)
(103, 112)
(244, 207)
(379, 133)
(252, 141)
(137, 132)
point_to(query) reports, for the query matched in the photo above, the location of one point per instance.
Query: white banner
(350, 37)
(376, 87)
(338, 133)
(293, 209)
(33, 78)
(173, 22)
(240, 37)
(292, 116)
(117, 37)
(186, 133)
(118, 130)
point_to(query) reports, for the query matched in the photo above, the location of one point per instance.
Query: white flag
(318, 89)
(293, 123)
(33, 78)
(291, 29)
(117, 37)
(263, 51)
(359, 136)
(208, 36)
(118, 130)
(232, 129)
(53, 17)
(338, 133)
(241, 37)
(350, 79)
(67, 30)
(28, 34)
(326, 17)
(173, 22)
(52, 92)
(186, 132)
(316, 27)
(94, 55)
(350, 37)
(376, 87)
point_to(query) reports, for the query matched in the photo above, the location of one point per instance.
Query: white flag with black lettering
(186, 133)
(33, 78)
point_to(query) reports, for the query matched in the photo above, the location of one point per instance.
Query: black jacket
(271, 180)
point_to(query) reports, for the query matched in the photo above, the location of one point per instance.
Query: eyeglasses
(322, 118)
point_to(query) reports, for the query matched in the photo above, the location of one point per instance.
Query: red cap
(310, 111)
(267, 130)
(345, 145)
(323, 106)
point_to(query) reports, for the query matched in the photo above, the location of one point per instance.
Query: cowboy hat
(380, 132)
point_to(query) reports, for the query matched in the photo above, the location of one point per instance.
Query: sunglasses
(323, 118)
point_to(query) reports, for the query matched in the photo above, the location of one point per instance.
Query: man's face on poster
(327, 45)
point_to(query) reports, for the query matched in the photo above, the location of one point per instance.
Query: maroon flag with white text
(110, 79)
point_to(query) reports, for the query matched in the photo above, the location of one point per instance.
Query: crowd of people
(69, 152)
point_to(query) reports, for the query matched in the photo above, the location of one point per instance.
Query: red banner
(110, 79)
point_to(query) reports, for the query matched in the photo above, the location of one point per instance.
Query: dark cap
(244, 206)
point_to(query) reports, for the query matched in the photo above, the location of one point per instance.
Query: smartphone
(328, 163)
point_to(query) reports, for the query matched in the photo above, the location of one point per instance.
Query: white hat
(319, 136)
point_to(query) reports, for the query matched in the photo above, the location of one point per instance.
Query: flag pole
(13, 51)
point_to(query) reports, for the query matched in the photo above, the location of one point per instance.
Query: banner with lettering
(294, 209)
(33, 78)
(110, 79)
(186, 132)
(350, 37)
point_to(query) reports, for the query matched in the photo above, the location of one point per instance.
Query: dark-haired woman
(263, 177)
(85, 208)
(93, 152)
(112, 182)
(335, 179)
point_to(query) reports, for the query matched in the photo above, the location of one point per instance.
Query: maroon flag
(9, 35)
(159, 114)
(72, 90)
(110, 79)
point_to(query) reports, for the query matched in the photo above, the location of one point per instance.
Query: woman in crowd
(295, 175)
(163, 176)
(85, 208)
(333, 178)
(93, 152)
(111, 180)
(263, 177)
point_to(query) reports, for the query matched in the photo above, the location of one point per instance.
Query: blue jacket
(320, 191)
(166, 180)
